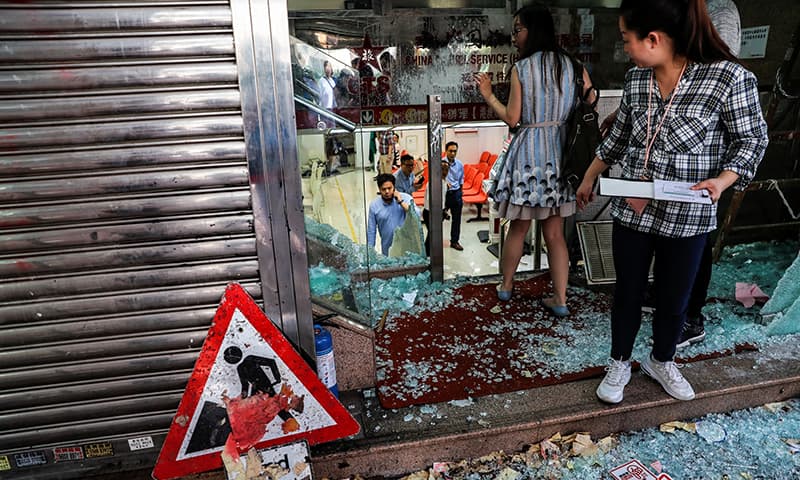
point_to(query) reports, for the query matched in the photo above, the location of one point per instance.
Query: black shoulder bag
(583, 132)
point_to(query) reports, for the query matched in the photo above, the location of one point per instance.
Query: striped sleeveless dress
(528, 186)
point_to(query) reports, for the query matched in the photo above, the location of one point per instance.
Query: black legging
(700, 289)
(676, 263)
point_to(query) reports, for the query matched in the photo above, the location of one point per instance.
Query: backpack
(583, 132)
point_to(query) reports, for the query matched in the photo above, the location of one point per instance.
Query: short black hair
(406, 157)
(448, 144)
(383, 178)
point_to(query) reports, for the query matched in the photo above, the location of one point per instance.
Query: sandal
(503, 295)
(557, 310)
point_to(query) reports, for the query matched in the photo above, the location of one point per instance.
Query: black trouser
(700, 289)
(676, 264)
(454, 202)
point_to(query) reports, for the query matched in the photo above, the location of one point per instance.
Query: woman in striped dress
(528, 187)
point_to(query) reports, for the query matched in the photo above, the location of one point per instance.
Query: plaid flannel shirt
(715, 123)
(386, 142)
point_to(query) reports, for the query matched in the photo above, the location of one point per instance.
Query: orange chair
(474, 186)
(469, 174)
(478, 199)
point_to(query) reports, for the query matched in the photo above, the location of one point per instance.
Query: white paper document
(657, 189)
(679, 192)
(617, 187)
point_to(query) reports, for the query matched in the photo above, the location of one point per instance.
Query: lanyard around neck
(648, 142)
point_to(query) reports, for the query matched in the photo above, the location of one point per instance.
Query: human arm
(741, 115)
(402, 200)
(585, 193)
(372, 225)
(419, 180)
(605, 126)
(588, 87)
(510, 113)
(614, 145)
(717, 185)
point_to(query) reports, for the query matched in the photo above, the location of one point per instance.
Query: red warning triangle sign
(249, 388)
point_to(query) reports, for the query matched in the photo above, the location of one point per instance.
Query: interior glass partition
(337, 157)
(382, 66)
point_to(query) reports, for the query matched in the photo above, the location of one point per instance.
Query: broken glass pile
(756, 443)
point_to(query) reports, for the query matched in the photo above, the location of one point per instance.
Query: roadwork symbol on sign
(249, 389)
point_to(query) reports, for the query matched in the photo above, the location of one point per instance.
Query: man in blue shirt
(386, 212)
(453, 199)
(405, 180)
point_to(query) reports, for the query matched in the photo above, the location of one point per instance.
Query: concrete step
(394, 442)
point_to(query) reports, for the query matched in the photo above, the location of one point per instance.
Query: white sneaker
(667, 374)
(619, 374)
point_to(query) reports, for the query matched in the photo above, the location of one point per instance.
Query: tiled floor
(345, 199)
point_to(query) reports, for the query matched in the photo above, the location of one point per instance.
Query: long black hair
(686, 22)
(541, 37)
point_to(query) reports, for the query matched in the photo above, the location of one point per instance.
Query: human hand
(484, 85)
(585, 193)
(714, 187)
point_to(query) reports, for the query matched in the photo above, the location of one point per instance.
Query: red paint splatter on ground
(473, 356)
(467, 359)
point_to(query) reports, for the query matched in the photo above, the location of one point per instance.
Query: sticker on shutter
(67, 454)
(97, 450)
(30, 459)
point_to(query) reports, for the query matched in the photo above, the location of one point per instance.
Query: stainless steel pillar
(435, 186)
(261, 33)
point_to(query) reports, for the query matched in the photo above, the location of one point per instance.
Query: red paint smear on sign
(250, 416)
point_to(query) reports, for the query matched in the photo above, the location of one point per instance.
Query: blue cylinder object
(326, 366)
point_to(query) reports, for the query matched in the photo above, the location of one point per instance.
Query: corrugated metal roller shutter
(125, 210)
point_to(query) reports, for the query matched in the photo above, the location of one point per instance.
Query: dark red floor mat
(467, 349)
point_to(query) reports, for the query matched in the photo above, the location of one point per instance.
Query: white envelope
(657, 189)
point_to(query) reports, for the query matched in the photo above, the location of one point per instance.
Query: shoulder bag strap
(583, 97)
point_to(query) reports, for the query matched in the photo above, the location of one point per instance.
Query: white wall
(362, 146)
(474, 141)
(310, 146)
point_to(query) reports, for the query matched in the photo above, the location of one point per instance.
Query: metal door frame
(261, 34)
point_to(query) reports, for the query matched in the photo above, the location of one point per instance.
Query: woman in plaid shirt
(689, 113)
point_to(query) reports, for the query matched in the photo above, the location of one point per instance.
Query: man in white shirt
(327, 86)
